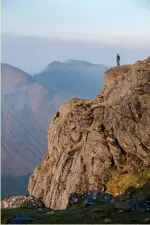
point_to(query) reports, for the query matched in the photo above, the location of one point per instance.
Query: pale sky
(92, 20)
(36, 32)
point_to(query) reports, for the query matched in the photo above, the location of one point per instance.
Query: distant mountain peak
(75, 61)
(9, 68)
(69, 63)
(55, 62)
(6, 65)
(51, 64)
(13, 77)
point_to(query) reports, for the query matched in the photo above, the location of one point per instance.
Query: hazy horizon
(34, 33)
(32, 54)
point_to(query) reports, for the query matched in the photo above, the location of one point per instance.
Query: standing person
(118, 60)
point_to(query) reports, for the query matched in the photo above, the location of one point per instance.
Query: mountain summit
(73, 76)
(95, 144)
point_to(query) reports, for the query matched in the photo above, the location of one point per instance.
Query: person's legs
(118, 63)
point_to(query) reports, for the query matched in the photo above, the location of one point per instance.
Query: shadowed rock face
(91, 140)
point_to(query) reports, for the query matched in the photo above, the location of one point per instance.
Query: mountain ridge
(78, 77)
(70, 62)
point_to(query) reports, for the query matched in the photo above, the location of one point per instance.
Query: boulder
(96, 197)
(74, 199)
(18, 201)
(130, 204)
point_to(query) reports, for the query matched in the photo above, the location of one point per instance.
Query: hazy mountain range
(78, 78)
(32, 54)
(28, 104)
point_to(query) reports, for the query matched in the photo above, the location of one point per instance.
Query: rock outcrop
(21, 201)
(90, 141)
(125, 203)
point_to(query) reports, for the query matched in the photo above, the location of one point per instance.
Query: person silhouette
(118, 60)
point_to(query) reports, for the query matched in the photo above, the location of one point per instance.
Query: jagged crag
(93, 143)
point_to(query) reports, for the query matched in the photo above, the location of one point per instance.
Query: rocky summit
(103, 144)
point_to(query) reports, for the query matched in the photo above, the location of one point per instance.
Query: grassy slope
(90, 215)
(95, 214)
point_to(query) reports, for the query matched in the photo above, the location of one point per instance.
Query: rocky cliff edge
(90, 142)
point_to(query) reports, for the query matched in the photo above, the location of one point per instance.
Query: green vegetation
(140, 181)
(54, 120)
(89, 215)
(39, 167)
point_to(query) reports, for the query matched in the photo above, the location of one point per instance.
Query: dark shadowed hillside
(26, 111)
